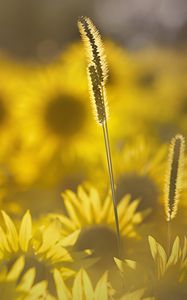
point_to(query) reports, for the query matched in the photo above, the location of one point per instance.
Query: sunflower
(55, 109)
(123, 94)
(139, 166)
(121, 65)
(82, 287)
(8, 123)
(57, 125)
(94, 216)
(14, 285)
(161, 79)
(166, 279)
(44, 248)
(6, 191)
(171, 269)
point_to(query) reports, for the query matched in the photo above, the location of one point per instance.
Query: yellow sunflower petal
(16, 269)
(77, 290)
(70, 239)
(72, 212)
(12, 235)
(174, 253)
(25, 232)
(96, 203)
(153, 247)
(27, 280)
(88, 289)
(3, 241)
(38, 291)
(62, 291)
(106, 209)
(51, 235)
(86, 204)
(101, 290)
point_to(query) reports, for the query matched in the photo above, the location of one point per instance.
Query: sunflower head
(93, 215)
(16, 284)
(44, 247)
(82, 287)
(65, 114)
(139, 186)
(102, 240)
(3, 110)
(173, 264)
(139, 169)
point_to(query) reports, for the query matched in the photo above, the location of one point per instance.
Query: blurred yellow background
(50, 143)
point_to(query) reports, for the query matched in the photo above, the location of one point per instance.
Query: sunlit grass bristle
(97, 95)
(173, 184)
(94, 47)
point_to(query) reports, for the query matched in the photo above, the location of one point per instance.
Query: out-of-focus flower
(57, 125)
(14, 285)
(139, 165)
(161, 81)
(8, 120)
(44, 248)
(157, 279)
(164, 262)
(82, 287)
(95, 217)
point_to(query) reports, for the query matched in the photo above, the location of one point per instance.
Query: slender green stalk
(169, 236)
(111, 176)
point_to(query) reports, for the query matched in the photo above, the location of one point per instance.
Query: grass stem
(169, 236)
(111, 176)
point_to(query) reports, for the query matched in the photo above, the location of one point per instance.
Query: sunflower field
(93, 178)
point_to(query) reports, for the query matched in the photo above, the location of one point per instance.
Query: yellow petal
(16, 269)
(27, 280)
(120, 264)
(101, 290)
(38, 291)
(12, 235)
(25, 232)
(174, 253)
(51, 235)
(96, 203)
(77, 290)
(84, 198)
(88, 289)
(153, 246)
(71, 239)
(62, 290)
(4, 245)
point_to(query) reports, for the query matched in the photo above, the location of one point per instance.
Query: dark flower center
(138, 186)
(146, 79)
(43, 270)
(166, 130)
(102, 240)
(3, 112)
(184, 105)
(166, 290)
(65, 115)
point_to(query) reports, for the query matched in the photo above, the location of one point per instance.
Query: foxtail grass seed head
(94, 47)
(97, 68)
(174, 175)
(97, 95)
